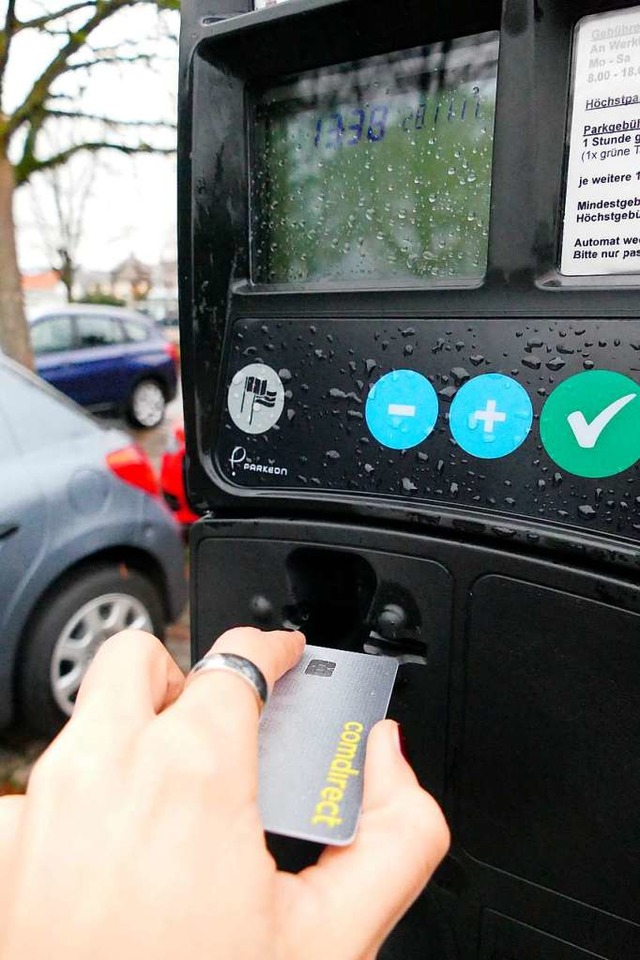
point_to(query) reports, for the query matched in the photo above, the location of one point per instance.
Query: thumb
(401, 839)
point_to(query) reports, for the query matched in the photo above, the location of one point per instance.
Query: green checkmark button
(590, 425)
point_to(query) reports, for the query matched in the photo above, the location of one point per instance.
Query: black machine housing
(507, 588)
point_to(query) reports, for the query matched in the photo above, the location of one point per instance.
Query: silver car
(87, 548)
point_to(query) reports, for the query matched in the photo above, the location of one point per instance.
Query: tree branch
(59, 64)
(5, 41)
(29, 147)
(40, 23)
(110, 121)
(125, 43)
(36, 166)
(117, 58)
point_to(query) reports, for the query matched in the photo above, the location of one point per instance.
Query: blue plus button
(490, 416)
(402, 409)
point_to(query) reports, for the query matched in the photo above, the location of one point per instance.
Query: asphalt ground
(17, 751)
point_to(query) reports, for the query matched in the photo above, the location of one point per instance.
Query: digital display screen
(377, 171)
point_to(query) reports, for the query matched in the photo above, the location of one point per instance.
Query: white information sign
(602, 212)
(262, 4)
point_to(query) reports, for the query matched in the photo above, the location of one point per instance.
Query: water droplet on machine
(460, 375)
(534, 363)
(555, 364)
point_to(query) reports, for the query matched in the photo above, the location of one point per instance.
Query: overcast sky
(130, 206)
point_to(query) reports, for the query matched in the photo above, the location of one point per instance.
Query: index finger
(219, 707)
(272, 651)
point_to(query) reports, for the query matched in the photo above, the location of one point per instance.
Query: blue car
(107, 358)
(87, 548)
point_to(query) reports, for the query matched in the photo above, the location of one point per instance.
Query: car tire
(71, 624)
(147, 404)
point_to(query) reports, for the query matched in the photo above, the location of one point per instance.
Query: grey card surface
(313, 735)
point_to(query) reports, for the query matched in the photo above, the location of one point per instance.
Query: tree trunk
(14, 333)
(67, 273)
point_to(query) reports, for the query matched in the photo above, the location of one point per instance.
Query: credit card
(313, 736)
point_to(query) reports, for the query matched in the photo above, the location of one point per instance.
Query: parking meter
(409, 269)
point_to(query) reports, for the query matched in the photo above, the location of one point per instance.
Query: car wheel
(147, 404)
(67, 632)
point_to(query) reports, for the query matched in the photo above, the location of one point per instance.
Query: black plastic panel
(322, 443)
(523, 718)
(223, 59)
(336, 595)
(550, 772)
(505, 939)
(517, 581)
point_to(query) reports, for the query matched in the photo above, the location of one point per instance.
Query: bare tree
(59, 201)
(57, 94)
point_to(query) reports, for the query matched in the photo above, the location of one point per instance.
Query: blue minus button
(401, 409)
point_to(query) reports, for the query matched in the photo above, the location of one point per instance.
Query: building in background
(152, 289)
(42, 291)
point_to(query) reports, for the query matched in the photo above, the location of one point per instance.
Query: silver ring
(242, 667)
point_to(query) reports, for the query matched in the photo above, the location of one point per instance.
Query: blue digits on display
(335, 126)
(347, 129)
(337, 132)
(377, 124)
(356, 127)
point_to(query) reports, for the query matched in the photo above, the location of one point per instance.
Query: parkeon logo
(256, 398)
(238, 456)
(239, 461)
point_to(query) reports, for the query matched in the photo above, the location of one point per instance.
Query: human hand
(140, 836)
